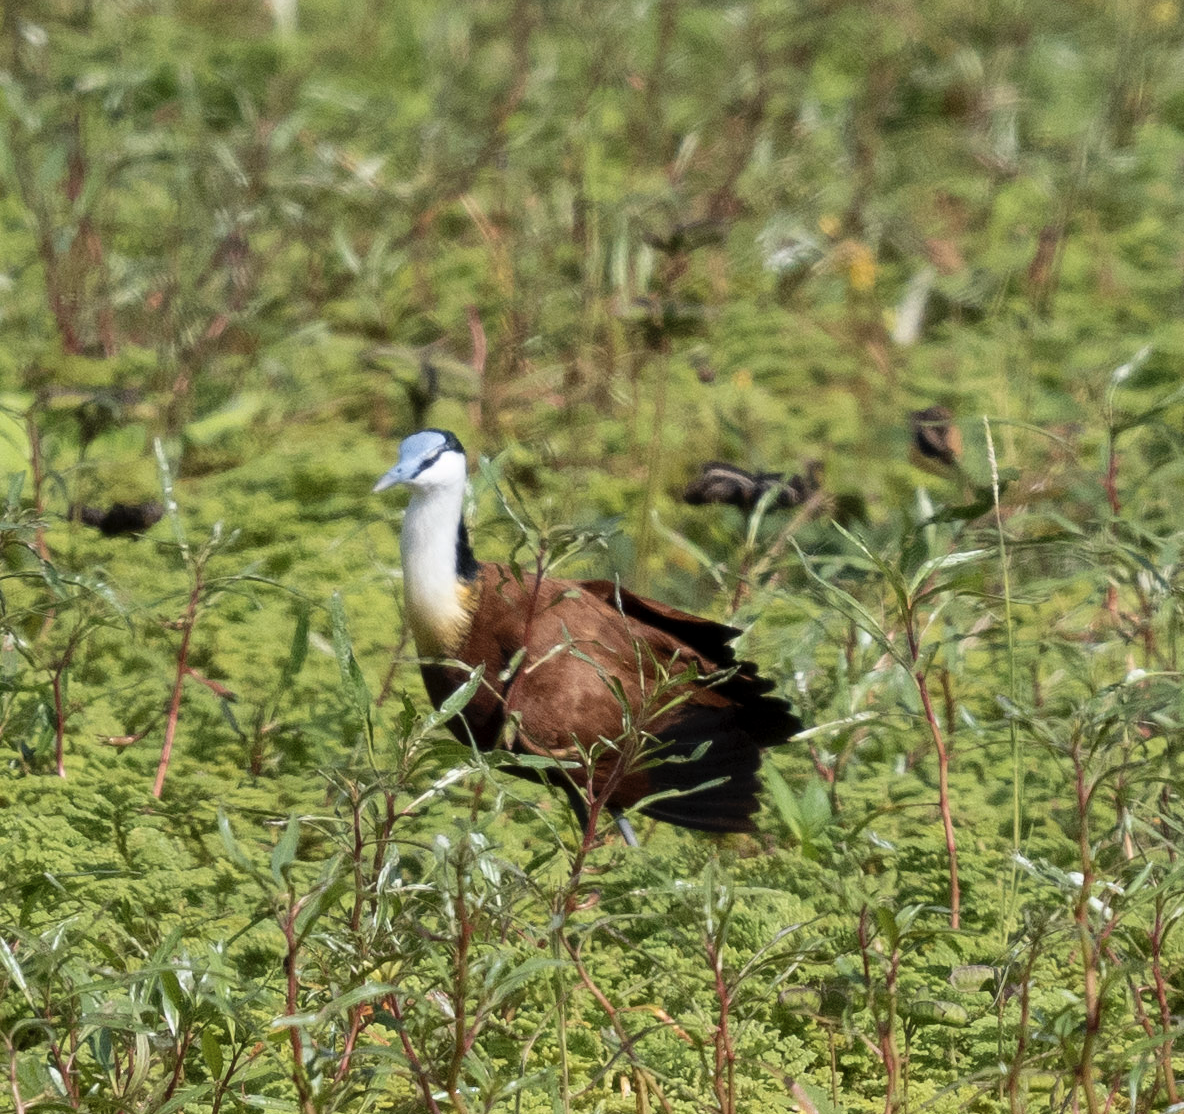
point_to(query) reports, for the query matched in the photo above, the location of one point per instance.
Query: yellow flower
(743, 379)
(861, 271)
(830, 226)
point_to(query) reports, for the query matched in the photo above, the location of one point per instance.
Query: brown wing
(591, 649)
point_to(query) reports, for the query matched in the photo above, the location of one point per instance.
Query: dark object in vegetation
(935, 437)
(660, 320)
(119, 518)
(718, 482)
(568, 664)
(687, 236)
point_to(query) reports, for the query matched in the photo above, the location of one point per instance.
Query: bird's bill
(399, 474)
(417, 452)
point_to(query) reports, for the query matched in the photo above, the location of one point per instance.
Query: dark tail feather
(735, 738)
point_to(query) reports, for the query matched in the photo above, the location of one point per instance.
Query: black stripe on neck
(466, 563)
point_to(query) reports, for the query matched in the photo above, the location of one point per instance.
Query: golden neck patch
(440, 624)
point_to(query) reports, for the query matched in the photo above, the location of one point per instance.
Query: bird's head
(432, 458)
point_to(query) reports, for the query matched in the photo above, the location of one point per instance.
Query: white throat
(435, 596)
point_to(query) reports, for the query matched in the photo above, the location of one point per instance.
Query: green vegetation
(244, 249)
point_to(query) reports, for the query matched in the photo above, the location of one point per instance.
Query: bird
(718, 482)
(119, 518)
(935, 437)
(636, 702)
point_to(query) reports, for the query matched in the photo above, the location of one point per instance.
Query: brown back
(602, 663)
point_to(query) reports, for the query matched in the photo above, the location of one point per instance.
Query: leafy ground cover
(246, 869)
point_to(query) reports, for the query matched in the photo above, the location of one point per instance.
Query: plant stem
(1087, 945)
(1161, 997)
(59, 709)
(462, 1038)
(885, 1025)
(18, 1105)
(725, 1051)
(292, 966)
(1017, 774)
(1015, 1071)
(170, 730)
(425, 1084)
(642, 1079)
(943, 774)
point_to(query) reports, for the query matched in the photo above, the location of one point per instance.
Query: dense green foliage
(245, 248)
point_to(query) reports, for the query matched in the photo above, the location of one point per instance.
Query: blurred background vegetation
(245, 248)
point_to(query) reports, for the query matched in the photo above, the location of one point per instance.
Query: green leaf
(509, 982)
(945, 561)
(973, 977)
(853, 609)
(784, 801)
(351, 673)
(9, 963)
(172, 1000)
(891, 575)
(211, 1051)
(455, 702)
(229, 842)
(801, 1000)
(188, 1098)
(285, 851)
(949, 1014)
(298, 651)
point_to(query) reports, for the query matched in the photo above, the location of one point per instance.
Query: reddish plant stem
(1111, 481)
(1161, 997)
(595, 799)
(462, 1038)
(357, 1022)
(18, 1105)
(65, 1066)
(725, 1051)
(1015, 1097)
(1143, 1020)
(383, 836)
(947, 693)
(644, 1082)
(217, 689)
(480, 344)
(59, 301)
(222, 1085)
(178, 1072)
(291, 964)
(170, 729)
(425, 1084)
(59, 709)
(396, 663)
(885, 1025)
(943, 775)
(357, 1013)
(1087, 945)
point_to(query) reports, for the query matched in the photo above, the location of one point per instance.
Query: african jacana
(574, 668)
